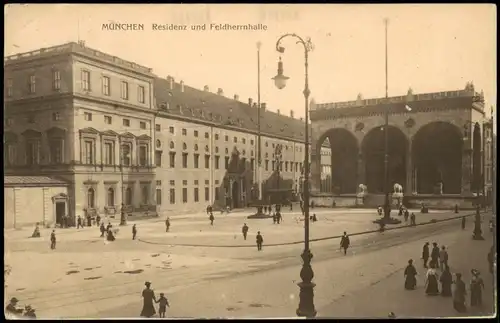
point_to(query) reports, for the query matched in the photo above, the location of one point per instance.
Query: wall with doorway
(25, 206)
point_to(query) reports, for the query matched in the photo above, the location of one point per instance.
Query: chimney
(236, 97)
(263, 106)
(170, 80)
(291, 113)
(220, 91)
(206, 88)
(250, 101)
(182, 86)
(279, 112)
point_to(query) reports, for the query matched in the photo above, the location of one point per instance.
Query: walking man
(53, 240)
(434, 255)
(134, 232)
(345, 242)
(244, 230)
(167, 224)
(103, 229)
(211, 218)
(443, 258)
(259, 241)
(463, 223)
(79, 222)
(425, 254)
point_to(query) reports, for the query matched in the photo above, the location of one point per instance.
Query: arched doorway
(111, 197)
(91, 198)
(437, 157)
(128, 196)
(145, 195)
(343, 161)
(373, 148)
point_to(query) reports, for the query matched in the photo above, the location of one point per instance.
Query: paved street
(86, 277)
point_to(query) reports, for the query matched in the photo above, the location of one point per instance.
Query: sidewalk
(389, 295)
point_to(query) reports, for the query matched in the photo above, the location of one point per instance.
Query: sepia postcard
(250, 161)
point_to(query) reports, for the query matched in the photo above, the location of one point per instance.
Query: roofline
(36, 185)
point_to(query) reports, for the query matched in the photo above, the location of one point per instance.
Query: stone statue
(398, 189)
(362, 189)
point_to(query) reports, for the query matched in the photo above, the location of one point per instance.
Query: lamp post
(306, 302)
(259, 140)
(387, 205)
(123, 217)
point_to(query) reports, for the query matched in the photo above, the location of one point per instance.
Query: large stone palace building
(439, 149)
(108, 131)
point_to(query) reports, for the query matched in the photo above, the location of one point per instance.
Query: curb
(311, 240)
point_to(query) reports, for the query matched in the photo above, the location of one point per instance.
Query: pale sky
(431, 47)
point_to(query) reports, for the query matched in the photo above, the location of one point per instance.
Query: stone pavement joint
(433, 221)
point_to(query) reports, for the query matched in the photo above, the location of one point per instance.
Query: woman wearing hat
(148, 309)
(459, 295)
(476, 288)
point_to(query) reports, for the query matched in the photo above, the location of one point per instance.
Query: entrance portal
(60, 210)
(235, 195)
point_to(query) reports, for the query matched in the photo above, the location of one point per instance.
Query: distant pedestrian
(443, 258)
(79, 222)
(102, 229)
(275, 218)
(244, 230)
(278, 217)
(291, 206)
(314, 218)
(162, 307)
(259, 241)
(463, 223)
(345, 242)
(446, 281)
(211, 218)
(53, 240)
(410, 276)
(459, 295)
(98, 219)
(379, 210)
(401, 211)
(134, 232)
(413, 219)
(167, 224)
(491, 226)
(148, 295)
(432, 288)
(476, 289)
(36, 232)
(89, 220)
(425, 254)
(407, 215)
(434, 255)
(108, 227)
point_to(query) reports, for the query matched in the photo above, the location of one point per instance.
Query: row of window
(86, 85)
(32, 152)
(109, 149)
(109, 120)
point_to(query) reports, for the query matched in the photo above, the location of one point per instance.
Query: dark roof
(213, 108)
(32, 180)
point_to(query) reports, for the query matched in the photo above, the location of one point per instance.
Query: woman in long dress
(459, 295)
(148, 309)
(446, 281)
(476, 289)
(432, 282)
(410, 274)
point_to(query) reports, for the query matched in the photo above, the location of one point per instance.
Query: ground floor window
(91, 198)
(158, 196)
(111, 197)
(207, 194)
(172, 196)
(184, 195)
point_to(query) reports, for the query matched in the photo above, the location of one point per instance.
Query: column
(409, 170)
(466, 171)
(361, 170)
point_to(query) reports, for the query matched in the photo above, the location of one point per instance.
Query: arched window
(196, 147)
(128, 196)
(91, 198)
(145, 195)
(111, 197)
(172, 145)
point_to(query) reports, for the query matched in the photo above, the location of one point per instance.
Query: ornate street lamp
(278, 155)
(306, 302)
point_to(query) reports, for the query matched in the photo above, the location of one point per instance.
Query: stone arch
(437, 158)
(343, 160)
(373, 153)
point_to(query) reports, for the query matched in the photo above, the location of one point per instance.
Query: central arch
(343, 160)
(437, 156)
(373, 148)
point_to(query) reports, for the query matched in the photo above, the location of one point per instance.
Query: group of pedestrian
(80, 223)
(110, 236)
(439, 261)
(13, 310)
(277, 217)
(149, 299)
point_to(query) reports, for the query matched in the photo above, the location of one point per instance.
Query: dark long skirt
(476, 296)
(446, 290)
(432, 286)
(148, 309)
(459, 306)
(410, 282)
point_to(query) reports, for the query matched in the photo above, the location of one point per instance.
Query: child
(163, 305)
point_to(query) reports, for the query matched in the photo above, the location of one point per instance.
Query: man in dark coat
(244, 230)
(12, 307)
(102, 229)
(134, 232)
(211, 218)
(53, 240)
(463, 223)
(425, 254)
(167, 224)
(434, 255)
(259, 241)
(79, 222)
(345, 242)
